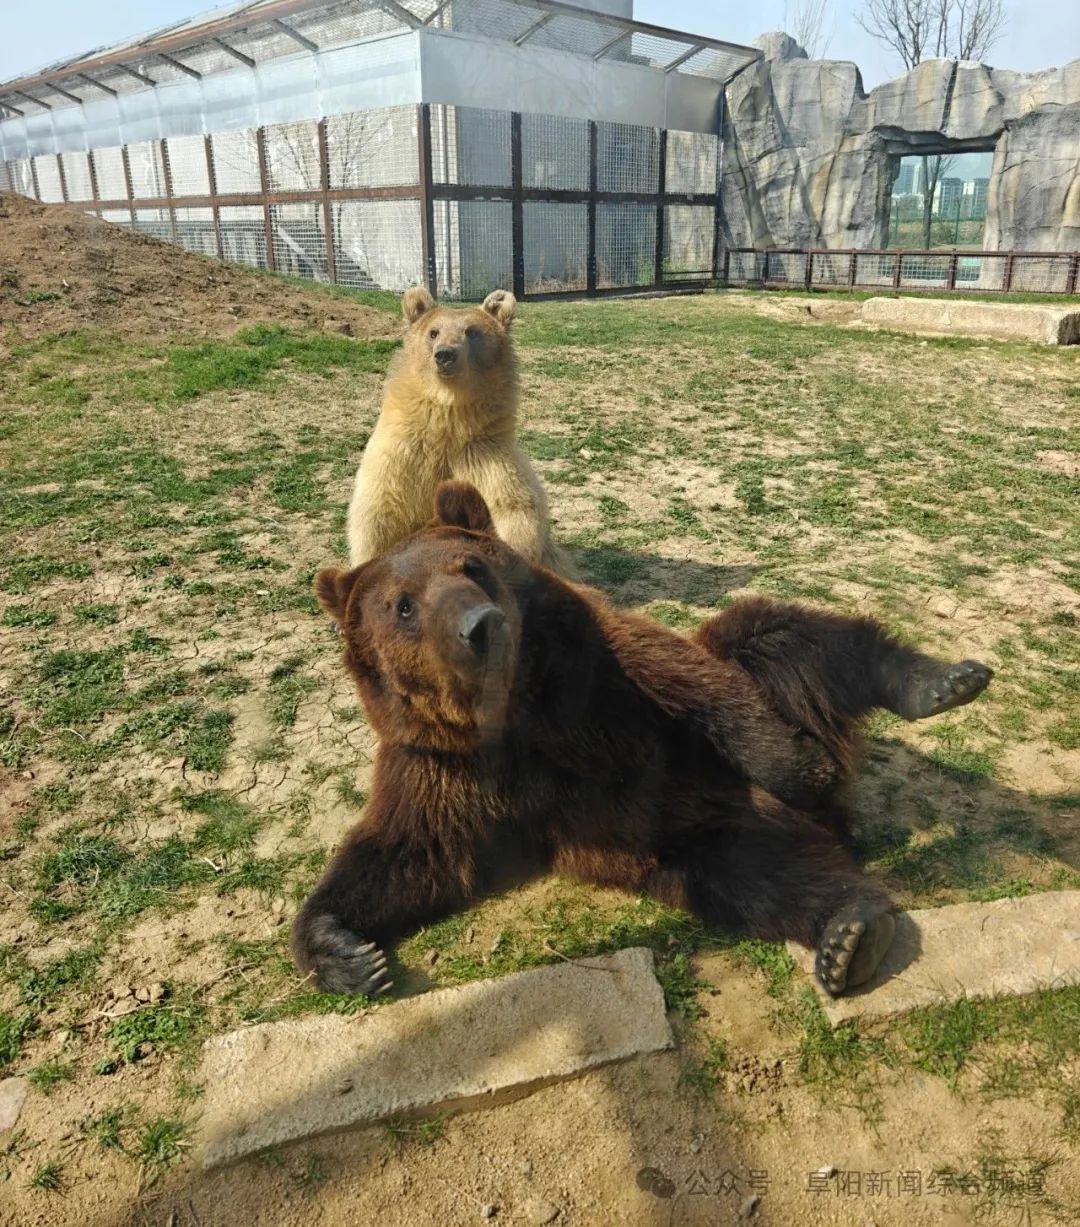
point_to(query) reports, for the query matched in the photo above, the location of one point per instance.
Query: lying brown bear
(522, 718)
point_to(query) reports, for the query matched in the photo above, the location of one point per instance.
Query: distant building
(975, 192)
(904, 183)
(948, 196)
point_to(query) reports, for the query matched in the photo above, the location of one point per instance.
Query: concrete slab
(457, 1048)
(1043, 325)
(1001, 949)
(12, 1097)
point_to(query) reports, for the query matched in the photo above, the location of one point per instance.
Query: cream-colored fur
(450, 423)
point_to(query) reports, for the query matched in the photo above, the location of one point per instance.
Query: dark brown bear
(524, 720)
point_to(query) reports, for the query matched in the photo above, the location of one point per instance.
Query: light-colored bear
(449, 410)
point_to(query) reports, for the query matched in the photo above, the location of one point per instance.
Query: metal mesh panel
(22, 180)
(920, 272)
(784, 267)
(991, 272)
(657, 52)
(208, 58)
(109, 171)
(77, 176)
(373, 148)
(155, 223)
(576, 34)
(877, 269)
(830, 269)
(743, 266)
(187, 166)
(691, 162)
(116, 217)
(7, 180)
(195, 231)
(343, 23)
(625, 245)
(486, 16)
(554, 152)
(473, 247)
(147, 170)
(713, 62)
(265, 43)
(1040, 274)
(377, 243)
(688, 241)
(299, 240)
(556, 240)
(118, 81)
(292, 155)
(47, 170)
(236, 162)
(628, 158)
(470, 146)
(243, 234)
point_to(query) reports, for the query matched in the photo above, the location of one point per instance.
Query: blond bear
(449, 410)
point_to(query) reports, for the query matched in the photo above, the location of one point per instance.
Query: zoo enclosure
(460, 198)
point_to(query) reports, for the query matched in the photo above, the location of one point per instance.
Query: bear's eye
(474, 569)
(405, 609)
(472, 333)
(433, 333)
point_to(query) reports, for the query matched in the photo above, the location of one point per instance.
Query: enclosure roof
(253, 33)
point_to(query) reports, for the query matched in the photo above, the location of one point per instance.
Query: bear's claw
(852, 946)
(339, 963)
(930, 692)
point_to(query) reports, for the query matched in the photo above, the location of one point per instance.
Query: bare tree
(804, 20)
(918, 30)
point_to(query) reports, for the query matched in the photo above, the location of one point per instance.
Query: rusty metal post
(125, 158)
(63, 179)
(167, 171)
(95, 194)
(327, 207)
(33, 178)
(215, 207)
(852, 270)
(950, 281)
(897, 270)
(427, 198)
(594, 183)
(1074, 273)
(264, 180)
(661, 190)
(1006, 284)
(517, 205)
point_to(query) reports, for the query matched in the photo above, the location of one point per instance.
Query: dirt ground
(180, 749)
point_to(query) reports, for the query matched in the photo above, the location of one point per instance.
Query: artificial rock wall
(808, 155)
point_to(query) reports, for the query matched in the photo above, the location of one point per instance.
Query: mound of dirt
(61, 270)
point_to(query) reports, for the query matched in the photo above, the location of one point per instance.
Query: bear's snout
(479, 626)
(446, 358)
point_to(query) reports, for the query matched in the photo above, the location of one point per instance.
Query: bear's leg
(822, 671)
(376, 890)
(781, 876)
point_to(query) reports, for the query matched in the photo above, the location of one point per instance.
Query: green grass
(160, 1028)
(48, 1176)
(161, 1142)
(49, 1074)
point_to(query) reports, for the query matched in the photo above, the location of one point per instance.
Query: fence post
(725, 274)
(517, 205)
(808, 274)
(718, 208)
(167, 171)
(594, 179)
(125, 159)
(898, 269)
(1074, 273)
(95, 195)
(34, 178)
(215, 208)
(264, 180)
(63, 179)
(950, 283)
(427, 199)
(852, 270)
(327, 207)
(661, 189)
(1007, 279)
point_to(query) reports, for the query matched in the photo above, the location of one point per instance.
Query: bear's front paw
(854, 942)
(337, 960)
(940, 687)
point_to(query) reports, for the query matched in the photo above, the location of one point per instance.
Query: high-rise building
(904, 183)
(976, 190)
(947, 197)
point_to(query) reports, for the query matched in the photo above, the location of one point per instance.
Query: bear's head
(433, 627)
(455, 345)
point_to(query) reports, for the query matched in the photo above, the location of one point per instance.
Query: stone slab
(456, 1048)
(996, 321)
(1002, 949)
(12, 1097)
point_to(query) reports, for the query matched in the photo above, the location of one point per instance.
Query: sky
(1040, 33)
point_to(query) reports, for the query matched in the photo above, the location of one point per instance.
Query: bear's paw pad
(852, 946)
(933, 692)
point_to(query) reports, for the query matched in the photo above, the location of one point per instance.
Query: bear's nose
(446, 355)
(478, 625)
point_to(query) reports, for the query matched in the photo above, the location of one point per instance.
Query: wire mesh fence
(465, 199)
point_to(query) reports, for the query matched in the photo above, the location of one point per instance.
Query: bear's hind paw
(341, 963)
(852, 947)
(932, 691)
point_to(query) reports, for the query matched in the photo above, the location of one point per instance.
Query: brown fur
(457, 420)
(591, 742)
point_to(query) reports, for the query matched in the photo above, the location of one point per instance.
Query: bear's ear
(415, 302)
(459, 505)
(502, 305)
(332, 589)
